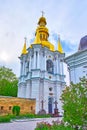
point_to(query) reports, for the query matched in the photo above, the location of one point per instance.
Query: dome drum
(83, 43)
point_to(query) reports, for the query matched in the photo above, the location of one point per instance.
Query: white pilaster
(45, 62)
(38, 60)
(30, 64)
(57, 66)
(34, 60)
(23, 67)
(21, 70)
(28, 90)
(62, 67)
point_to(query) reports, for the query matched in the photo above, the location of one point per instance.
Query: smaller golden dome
(42, 21)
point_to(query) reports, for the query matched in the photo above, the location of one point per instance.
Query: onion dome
(42, 34)
(42, 21)
(83, 43)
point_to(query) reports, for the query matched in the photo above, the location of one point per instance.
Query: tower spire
(59, 45)
(24, 50)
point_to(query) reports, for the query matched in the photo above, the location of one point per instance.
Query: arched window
(10, 107)
(49, 66)
(27, 67)
(40, 36)
(31, 107)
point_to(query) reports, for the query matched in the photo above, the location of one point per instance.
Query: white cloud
(4, 56)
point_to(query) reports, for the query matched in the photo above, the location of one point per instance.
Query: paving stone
(25, 124)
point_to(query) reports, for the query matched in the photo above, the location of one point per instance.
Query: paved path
(24, 124)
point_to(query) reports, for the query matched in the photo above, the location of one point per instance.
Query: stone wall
(26, 105)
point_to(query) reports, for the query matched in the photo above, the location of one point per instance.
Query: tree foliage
(74, 100)
(8, 82)
(16, 110)
(6, 73)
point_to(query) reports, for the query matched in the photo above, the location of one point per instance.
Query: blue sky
(18, 18)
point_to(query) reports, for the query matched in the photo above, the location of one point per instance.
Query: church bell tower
(41, 75)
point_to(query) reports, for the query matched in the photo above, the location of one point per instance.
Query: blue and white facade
(42, 77)
(77, 62)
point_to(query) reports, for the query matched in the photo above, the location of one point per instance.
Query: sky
(18, 19)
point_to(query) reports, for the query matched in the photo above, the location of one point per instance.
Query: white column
(30, 64)
(62, 68)
(59, 66)
(45, 62)
(21, 70)
(24, 68)
(34, 60)
(38, 61)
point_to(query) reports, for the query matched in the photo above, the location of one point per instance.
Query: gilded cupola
(42, 34)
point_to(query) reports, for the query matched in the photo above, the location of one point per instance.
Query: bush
(28, 115)
(16, 110)
(57, 125)
(43, 126)
(4, 119)
(74, 99)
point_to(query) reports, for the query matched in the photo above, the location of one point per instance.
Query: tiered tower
(42, 75)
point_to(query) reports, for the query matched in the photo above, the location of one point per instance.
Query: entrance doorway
(50, 102)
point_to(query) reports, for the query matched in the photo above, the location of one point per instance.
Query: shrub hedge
(4, 119)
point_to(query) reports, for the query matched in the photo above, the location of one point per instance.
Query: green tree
(74, 100)
(8, 82)
(6, 73)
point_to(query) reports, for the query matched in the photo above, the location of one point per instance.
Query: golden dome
(42, 21)
(42, 34)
